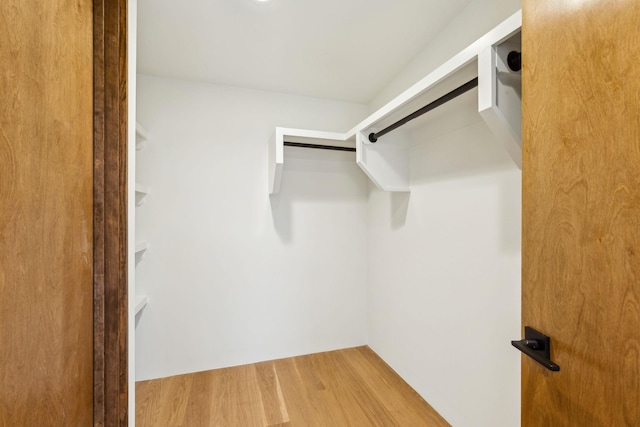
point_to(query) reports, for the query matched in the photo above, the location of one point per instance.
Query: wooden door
(63, 305)
(46, 213)
(581, 210)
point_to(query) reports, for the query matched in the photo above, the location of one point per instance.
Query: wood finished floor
(351, 387)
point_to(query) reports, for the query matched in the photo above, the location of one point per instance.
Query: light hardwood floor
(351, 387)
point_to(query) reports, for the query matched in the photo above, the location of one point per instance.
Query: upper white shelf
(142, 189)
(141, 136)
(141, 302)
(141, 193)
(386, 162)
(282, 135)
(141, 246)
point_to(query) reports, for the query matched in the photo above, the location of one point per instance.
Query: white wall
(444, 260)
(234, 276)
(444, 278)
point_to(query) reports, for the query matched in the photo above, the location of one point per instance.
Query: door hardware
(537, 346)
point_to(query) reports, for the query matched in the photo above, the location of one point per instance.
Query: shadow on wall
(469, 151)
(399, 209)
(281, 214)
(315, 181)
(450, 143)
(471, 154)
(511, 214)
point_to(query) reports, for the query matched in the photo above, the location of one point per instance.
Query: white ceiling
(338, 49)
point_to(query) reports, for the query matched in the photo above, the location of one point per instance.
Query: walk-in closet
(269, 225)
(261, 213)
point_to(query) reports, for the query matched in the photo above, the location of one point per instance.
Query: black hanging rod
(318, 146)
(373, 137)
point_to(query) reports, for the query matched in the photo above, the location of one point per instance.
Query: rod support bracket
(372, 137)
(514, 61)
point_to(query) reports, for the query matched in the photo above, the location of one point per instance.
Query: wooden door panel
(581, 210)
(46, 213)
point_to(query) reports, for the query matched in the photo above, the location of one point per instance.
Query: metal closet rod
(318, 146)
(373, 137)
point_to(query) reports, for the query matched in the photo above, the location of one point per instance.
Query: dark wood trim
(98, 214)
(110, 214)
(122, 320)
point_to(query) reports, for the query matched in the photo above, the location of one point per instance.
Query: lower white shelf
(141, 245)
(141, 137)
(142, 189)
(141, 302)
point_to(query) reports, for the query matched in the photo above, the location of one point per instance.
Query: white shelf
(142, 189)
(141, 246)
(276, 148)
(141, 302)
(141, 136)
(500, 97)
(386, 162)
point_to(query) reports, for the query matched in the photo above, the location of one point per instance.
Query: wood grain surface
(351, 387)
(46, 167)
(110, 213)
(581, 210)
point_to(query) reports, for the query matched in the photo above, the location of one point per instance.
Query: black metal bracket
(537, 346)
(514, 60)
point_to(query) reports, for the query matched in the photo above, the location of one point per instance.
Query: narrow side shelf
(142, 189)
(141, 302)
(312, 137)
(141, 193)
(141, 137)
(141, 246)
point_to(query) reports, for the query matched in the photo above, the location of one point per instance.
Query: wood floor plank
(354, 398)
(147, 402)
(391, 390)
(351, 387)
(198, 412)
(273, 404)
(324, 402)
(236, 398)
(174, 395)
(220, 399)
(301, 402)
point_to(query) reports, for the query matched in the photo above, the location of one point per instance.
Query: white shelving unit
(141, 192)
(386, 162)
